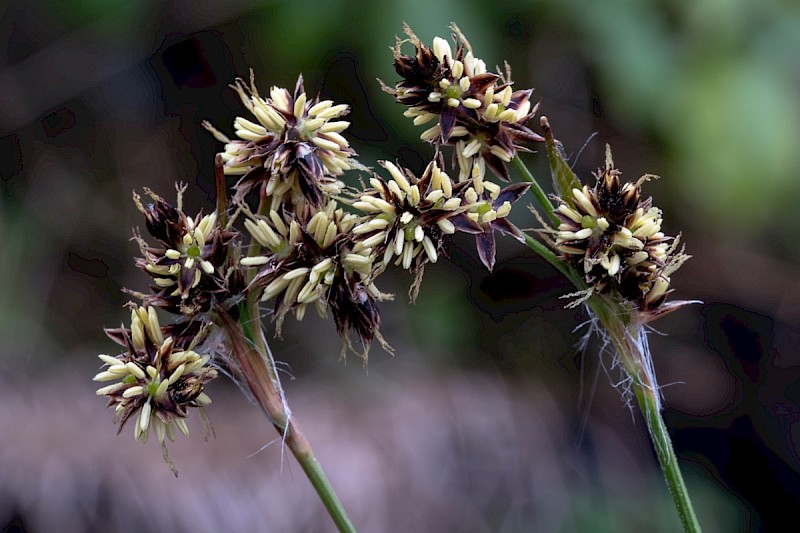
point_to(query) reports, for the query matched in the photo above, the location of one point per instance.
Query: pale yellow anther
(472, 148)
(441, 49)
(446, 226)
(295, 273)
(423, 119)
(431, 133)
(434, 196)
(501, 153)
(318, 108)
(457, 69)
(334, 127)
(413, 196)
(130, 392)
(430, 249)
(325, 143)
(472, 103)
(397, 176)
(334, 111)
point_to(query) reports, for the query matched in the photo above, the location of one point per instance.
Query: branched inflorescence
(306, 240)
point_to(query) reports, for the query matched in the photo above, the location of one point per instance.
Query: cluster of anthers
(613, 236)
(159, 377)
(476, 110)
(189, 265)
(294, 151)
(406, 217)
(316, 261)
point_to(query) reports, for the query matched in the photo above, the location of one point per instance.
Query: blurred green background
(504, 425)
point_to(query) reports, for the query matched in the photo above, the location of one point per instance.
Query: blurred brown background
(486, 419)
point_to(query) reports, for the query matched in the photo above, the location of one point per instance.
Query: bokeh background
(487, 418)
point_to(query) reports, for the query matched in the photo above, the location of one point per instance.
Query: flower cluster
(306, 240)
(475, 110)
(316, 261)
(406, 217)
(158, 375)
(294, 152)
(189, 266)
(613, 236)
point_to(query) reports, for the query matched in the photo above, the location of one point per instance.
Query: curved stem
(630, 350)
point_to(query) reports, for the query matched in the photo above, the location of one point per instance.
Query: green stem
(258, 372)
(648, 403)
(541, 197)
(624, 338)
(629, 350)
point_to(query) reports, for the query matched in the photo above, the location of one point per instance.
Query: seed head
(315, 260)
(407, 218)
(475, 110)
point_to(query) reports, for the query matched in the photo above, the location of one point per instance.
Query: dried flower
(158, 377)
(614, 237)
(188, 267)
(294, 151)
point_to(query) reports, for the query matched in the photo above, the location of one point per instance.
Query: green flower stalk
(606, 239)
(609, 244)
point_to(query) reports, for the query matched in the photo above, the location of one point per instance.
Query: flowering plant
(291, 234)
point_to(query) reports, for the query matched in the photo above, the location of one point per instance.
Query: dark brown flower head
(476, 110)
(316, 261)
(189, 263)
(614, 237)
(407, 218)
(439, 83)
(159, 377)
(487, 209)
(295, 150)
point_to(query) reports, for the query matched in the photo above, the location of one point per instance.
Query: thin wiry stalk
(541, 197)
(254, 357)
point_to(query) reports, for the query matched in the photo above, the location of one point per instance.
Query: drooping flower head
(613, 236)
(406, 217)
(188, 265)
(158, 377)
(474, 109)
(294, 150)
(316, 261)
